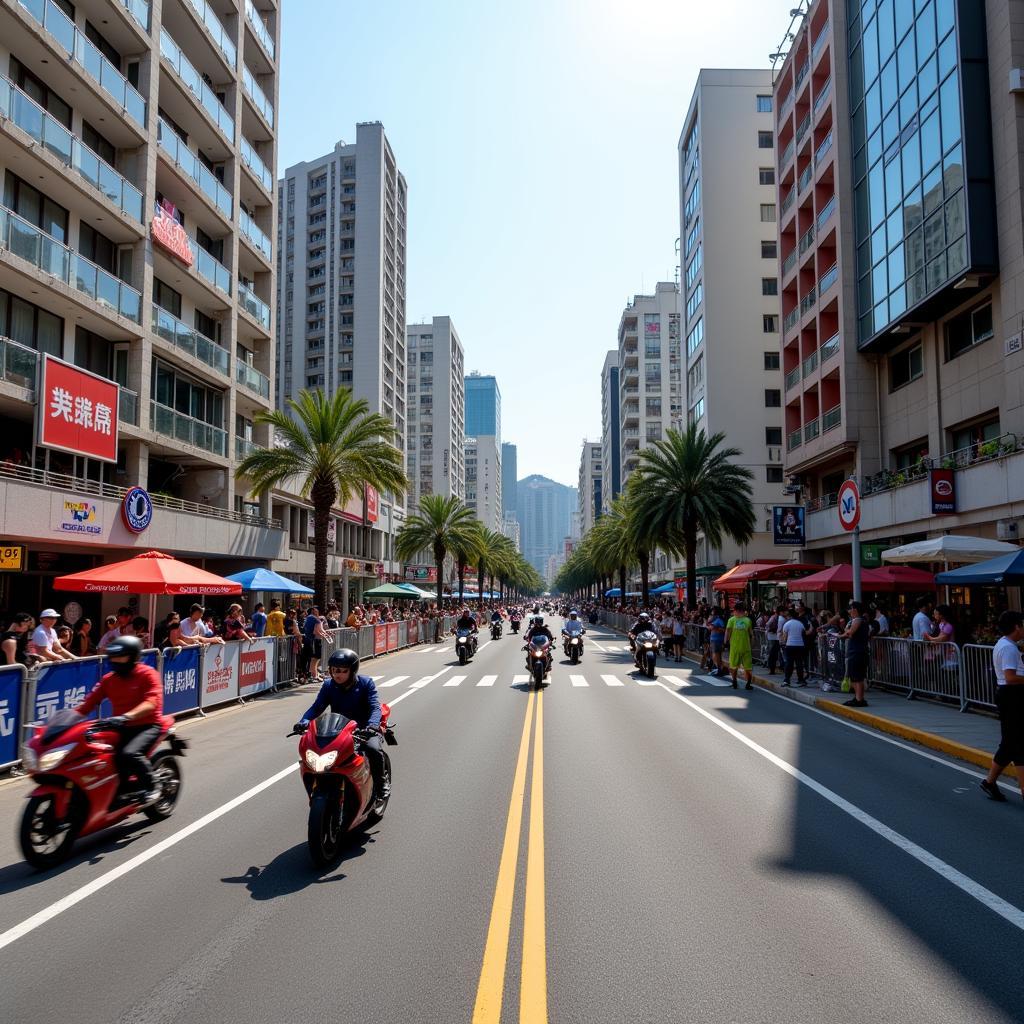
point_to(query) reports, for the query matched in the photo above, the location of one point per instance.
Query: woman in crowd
(81, 641)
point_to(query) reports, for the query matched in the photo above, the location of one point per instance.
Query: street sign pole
(856, 564)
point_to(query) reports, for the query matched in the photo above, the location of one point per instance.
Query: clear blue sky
(538, 139)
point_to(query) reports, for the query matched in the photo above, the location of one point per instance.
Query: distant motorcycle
(495, 630)
(572, 643)
(647, 645)
(465, 644)
(538, 659)
(514, 624)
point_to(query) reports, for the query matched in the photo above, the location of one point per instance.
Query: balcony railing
(826, 145)
(251, 378)
(192, 167)
(810, 364)
(259, 28)
(87, 56)
(822, 95)
(243, 446)
(828, 279)
(128, 407)
(28, 242)
(806, 240)
(193, 81)
(70, 151)
(785, 105)
(209, 18)
(787, 154)
(254, 234)
(826, 211)
(812, 430)
(189, 340)
(802, 73)
(212, 270)
(806, 175)
(793, 378)
(187, 429)
(802, 127)
(807, 301)
(819, 40)
(252, 160)
(832, 418)
(139, 10)
(791, 319)
(789, 200)
(254, 305)
(794, 439)
(788, 263)
(829, 348)
(18, 364)
(258, 97)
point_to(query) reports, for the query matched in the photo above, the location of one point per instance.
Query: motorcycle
(78, 790)
(573, 644)
(337, 778)
(465, 644)
(538, 659)
(514, 624)
(647, 645)
(495, 630)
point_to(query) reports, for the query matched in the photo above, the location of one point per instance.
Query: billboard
(420, 573)
(77, 411)
(256, 666)
(943, 491)
(220, 674)
(788, 524)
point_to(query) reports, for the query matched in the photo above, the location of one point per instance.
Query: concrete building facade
(611, 454)
(589, 487)
(483, 480)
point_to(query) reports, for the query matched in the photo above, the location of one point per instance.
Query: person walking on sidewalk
(716, 639)
(856, 636)
(1009, 667)
(773, 629)
(794, 642)
(738, 631)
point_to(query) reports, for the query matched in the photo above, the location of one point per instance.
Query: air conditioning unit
(1007, 529)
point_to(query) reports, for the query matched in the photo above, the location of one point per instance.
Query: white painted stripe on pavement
(444, 650)
(454, 681)
(676, 681)
(392, 682)
(483, 645)
(714, 680)
(1010, 913)
(428, 679)
(426, 650)
(521, 677)
(613, 680)
(487, 680)
(578, 681)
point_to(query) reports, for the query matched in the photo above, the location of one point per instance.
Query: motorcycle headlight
(649, 647)
(52, 758)
(462, 639)
(321, 762)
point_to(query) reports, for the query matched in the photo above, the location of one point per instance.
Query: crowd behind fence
(957, 674)
(195, 678)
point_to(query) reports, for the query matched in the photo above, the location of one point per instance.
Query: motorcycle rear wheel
(167, 777)
(46, 842)
(326, 828)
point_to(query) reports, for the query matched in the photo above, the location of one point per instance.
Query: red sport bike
(336, 774)
(78, 790)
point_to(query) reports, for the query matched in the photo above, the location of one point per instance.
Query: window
(98, 144)
(697, 412)
(764, 104)
(769, 286)
(652, 348)
(769, 250)
(975, 434)
(773, 474)
(692, 202)
(773, 435)
(37, 90)
(32, 326)
(765, 140)
(693, 267)
(28, 202)
(770, 323)
(767, 213)
(968, 329)
(772, 398)
(694, 301)
(695, 337)
(771, 360)
(910, 455)
(98, 248)
(766, 176)
(166, 297)
(691, 236)
(906, 366)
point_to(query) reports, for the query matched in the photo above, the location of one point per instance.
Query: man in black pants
(1009, 669)
(793, 637)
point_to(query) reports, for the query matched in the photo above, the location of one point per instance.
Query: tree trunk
(622, 583)
(462, 578)
(323, 496)
(480, 583)
(690, 540)
(439, 554)
(491, 588)
(645, 573)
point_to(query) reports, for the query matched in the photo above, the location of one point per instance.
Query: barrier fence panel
(403, 634)
(391, 636)
(979, 676)
(832, 658)
(287, 659)
(13, 693)
(257, 666)
(364, 645)
(349, 637)
(180, 673)
(759, 645)
(218, 674)
(917, 667)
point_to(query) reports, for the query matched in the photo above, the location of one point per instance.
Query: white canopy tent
(949, 547)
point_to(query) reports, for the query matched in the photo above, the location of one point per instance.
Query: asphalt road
(611, 850)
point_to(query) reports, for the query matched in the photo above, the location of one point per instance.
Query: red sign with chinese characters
(77, 411)
(170, 235)
(380, 639)
(372, 504)
(392, 636)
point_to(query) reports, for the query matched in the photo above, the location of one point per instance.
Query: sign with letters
(256, 666)
(943, 491)
(170, 235)
(181, 680)
(12, 557)
(77, 411)
(74, 515)
(220, 674)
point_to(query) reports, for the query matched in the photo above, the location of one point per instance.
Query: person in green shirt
(738, 631)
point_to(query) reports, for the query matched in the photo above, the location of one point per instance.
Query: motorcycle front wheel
(462, 655)
(650, 664)
(380, 805)
(45, 841)
(325, 827)
(538, 675)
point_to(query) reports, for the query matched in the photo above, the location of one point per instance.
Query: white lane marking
(393, 681)
(487, 680)
(429, 679)
(1007, 911)
(454, 681)
(714, 680)
(578, 681)
(613, 680)
(604, 650)
(521, 677)
(425, 650)
(676, 681)
(483, 645)
(444, 650)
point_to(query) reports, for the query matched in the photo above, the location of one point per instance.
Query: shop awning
(737, 579)
(905, 578)
(950, 547)
(838, 579)
(1007, 571)
(389, 592)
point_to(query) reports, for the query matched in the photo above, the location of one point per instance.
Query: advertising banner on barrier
(380, 640)
(392, 636)
(63, 685)
(414, 631)
(181, 680)
(256, 666)
(10, 713)
(219, 674)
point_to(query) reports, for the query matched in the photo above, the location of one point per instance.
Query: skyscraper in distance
(509, 476)
(483, 407)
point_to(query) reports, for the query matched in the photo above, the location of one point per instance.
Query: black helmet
(644, 617)
(344, 657)
(125, 645)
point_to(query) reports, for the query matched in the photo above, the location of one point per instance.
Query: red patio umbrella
(838, 579)
(905, 577)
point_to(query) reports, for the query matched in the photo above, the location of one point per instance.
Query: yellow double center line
(533, 990)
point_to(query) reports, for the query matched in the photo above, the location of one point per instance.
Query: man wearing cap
(44, 640)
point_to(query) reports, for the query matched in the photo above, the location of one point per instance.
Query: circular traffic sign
(848, 503)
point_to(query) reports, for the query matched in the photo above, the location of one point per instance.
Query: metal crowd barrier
(979, 676)
(918, 667)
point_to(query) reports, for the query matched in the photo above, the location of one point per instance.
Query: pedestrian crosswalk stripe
(715, 681)
(444, 650)
(425, 650)
(578, 681)
(487, 680)
(613, 680)
(676, 681)
(393, 681)
(521, 677)
(454, 681)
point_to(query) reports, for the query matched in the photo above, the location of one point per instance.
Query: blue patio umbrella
(269, 581)
(1006, 570)
(665, 588)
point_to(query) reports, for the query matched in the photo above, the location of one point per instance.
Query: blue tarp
(616, 592)
(1007, 570)
(269, 581)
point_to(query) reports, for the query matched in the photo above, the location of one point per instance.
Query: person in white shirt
(922, 622)
(793, 636)
(195, 629)
(1009, 669)
(44, 640)
(112, 633)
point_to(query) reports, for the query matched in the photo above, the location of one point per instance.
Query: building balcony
(187, 429)
(189, 340)
(178, 153)
(822, 150)
(821, 97)
(806, 175)
(785, 105)
(787, 155)
(789, 263)
(789, 200)
(193, 83)
(808, 300)
(33, 245)
(831, 418)
(18, 366)
(253, 305)
(208, 16)
(128, 407)
(793, 378)
(254, 235)
(819, 41)
(802, 128)
(806, 240)
(794, 439)
(811, 430)
(828, 349)
(809, 365)
(802, 74)
(243, 447)
(259, 29)
(826, 212)
(791, 319)
(49, 133)
(251, 378)
(260, 171)
(139, 10)
(87, 56)
(212, 271)
(828, 279)
(259, 99)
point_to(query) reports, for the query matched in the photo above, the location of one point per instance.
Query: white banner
(256, 666)
(220, 674)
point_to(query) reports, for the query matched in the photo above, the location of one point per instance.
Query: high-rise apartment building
(509, 469)
(902, 312)
(435, 461)
(588, 490)
(545, 518)
(483, 480)
(136, 282)
(510, 526)
(730, 287)
(611, 456)
(483, 406)
(650, 389)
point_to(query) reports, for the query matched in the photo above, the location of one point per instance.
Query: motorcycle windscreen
(328, 726)
(647, 637)
(60, 723)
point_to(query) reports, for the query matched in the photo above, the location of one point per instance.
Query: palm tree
(614, 542)
(466, 548)
(331, 448)
(689, 484)
(441, 525)
(489, 555)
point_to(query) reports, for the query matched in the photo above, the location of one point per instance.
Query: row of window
(962, 333)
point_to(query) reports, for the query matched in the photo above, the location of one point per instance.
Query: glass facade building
(483, 407)
(922, 171)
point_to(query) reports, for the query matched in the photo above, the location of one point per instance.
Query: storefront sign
(943, 488)
(219, 674)
(12, 557)
(788, 524)
(136, 510)
(77, 411)
(70, 514)
(424, 573)
(871, 555)
(372, 504)
(171, 236)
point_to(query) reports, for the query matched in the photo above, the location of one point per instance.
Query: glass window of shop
(907, 137)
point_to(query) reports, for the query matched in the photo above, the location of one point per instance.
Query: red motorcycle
(336, 774)
(78, 789)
